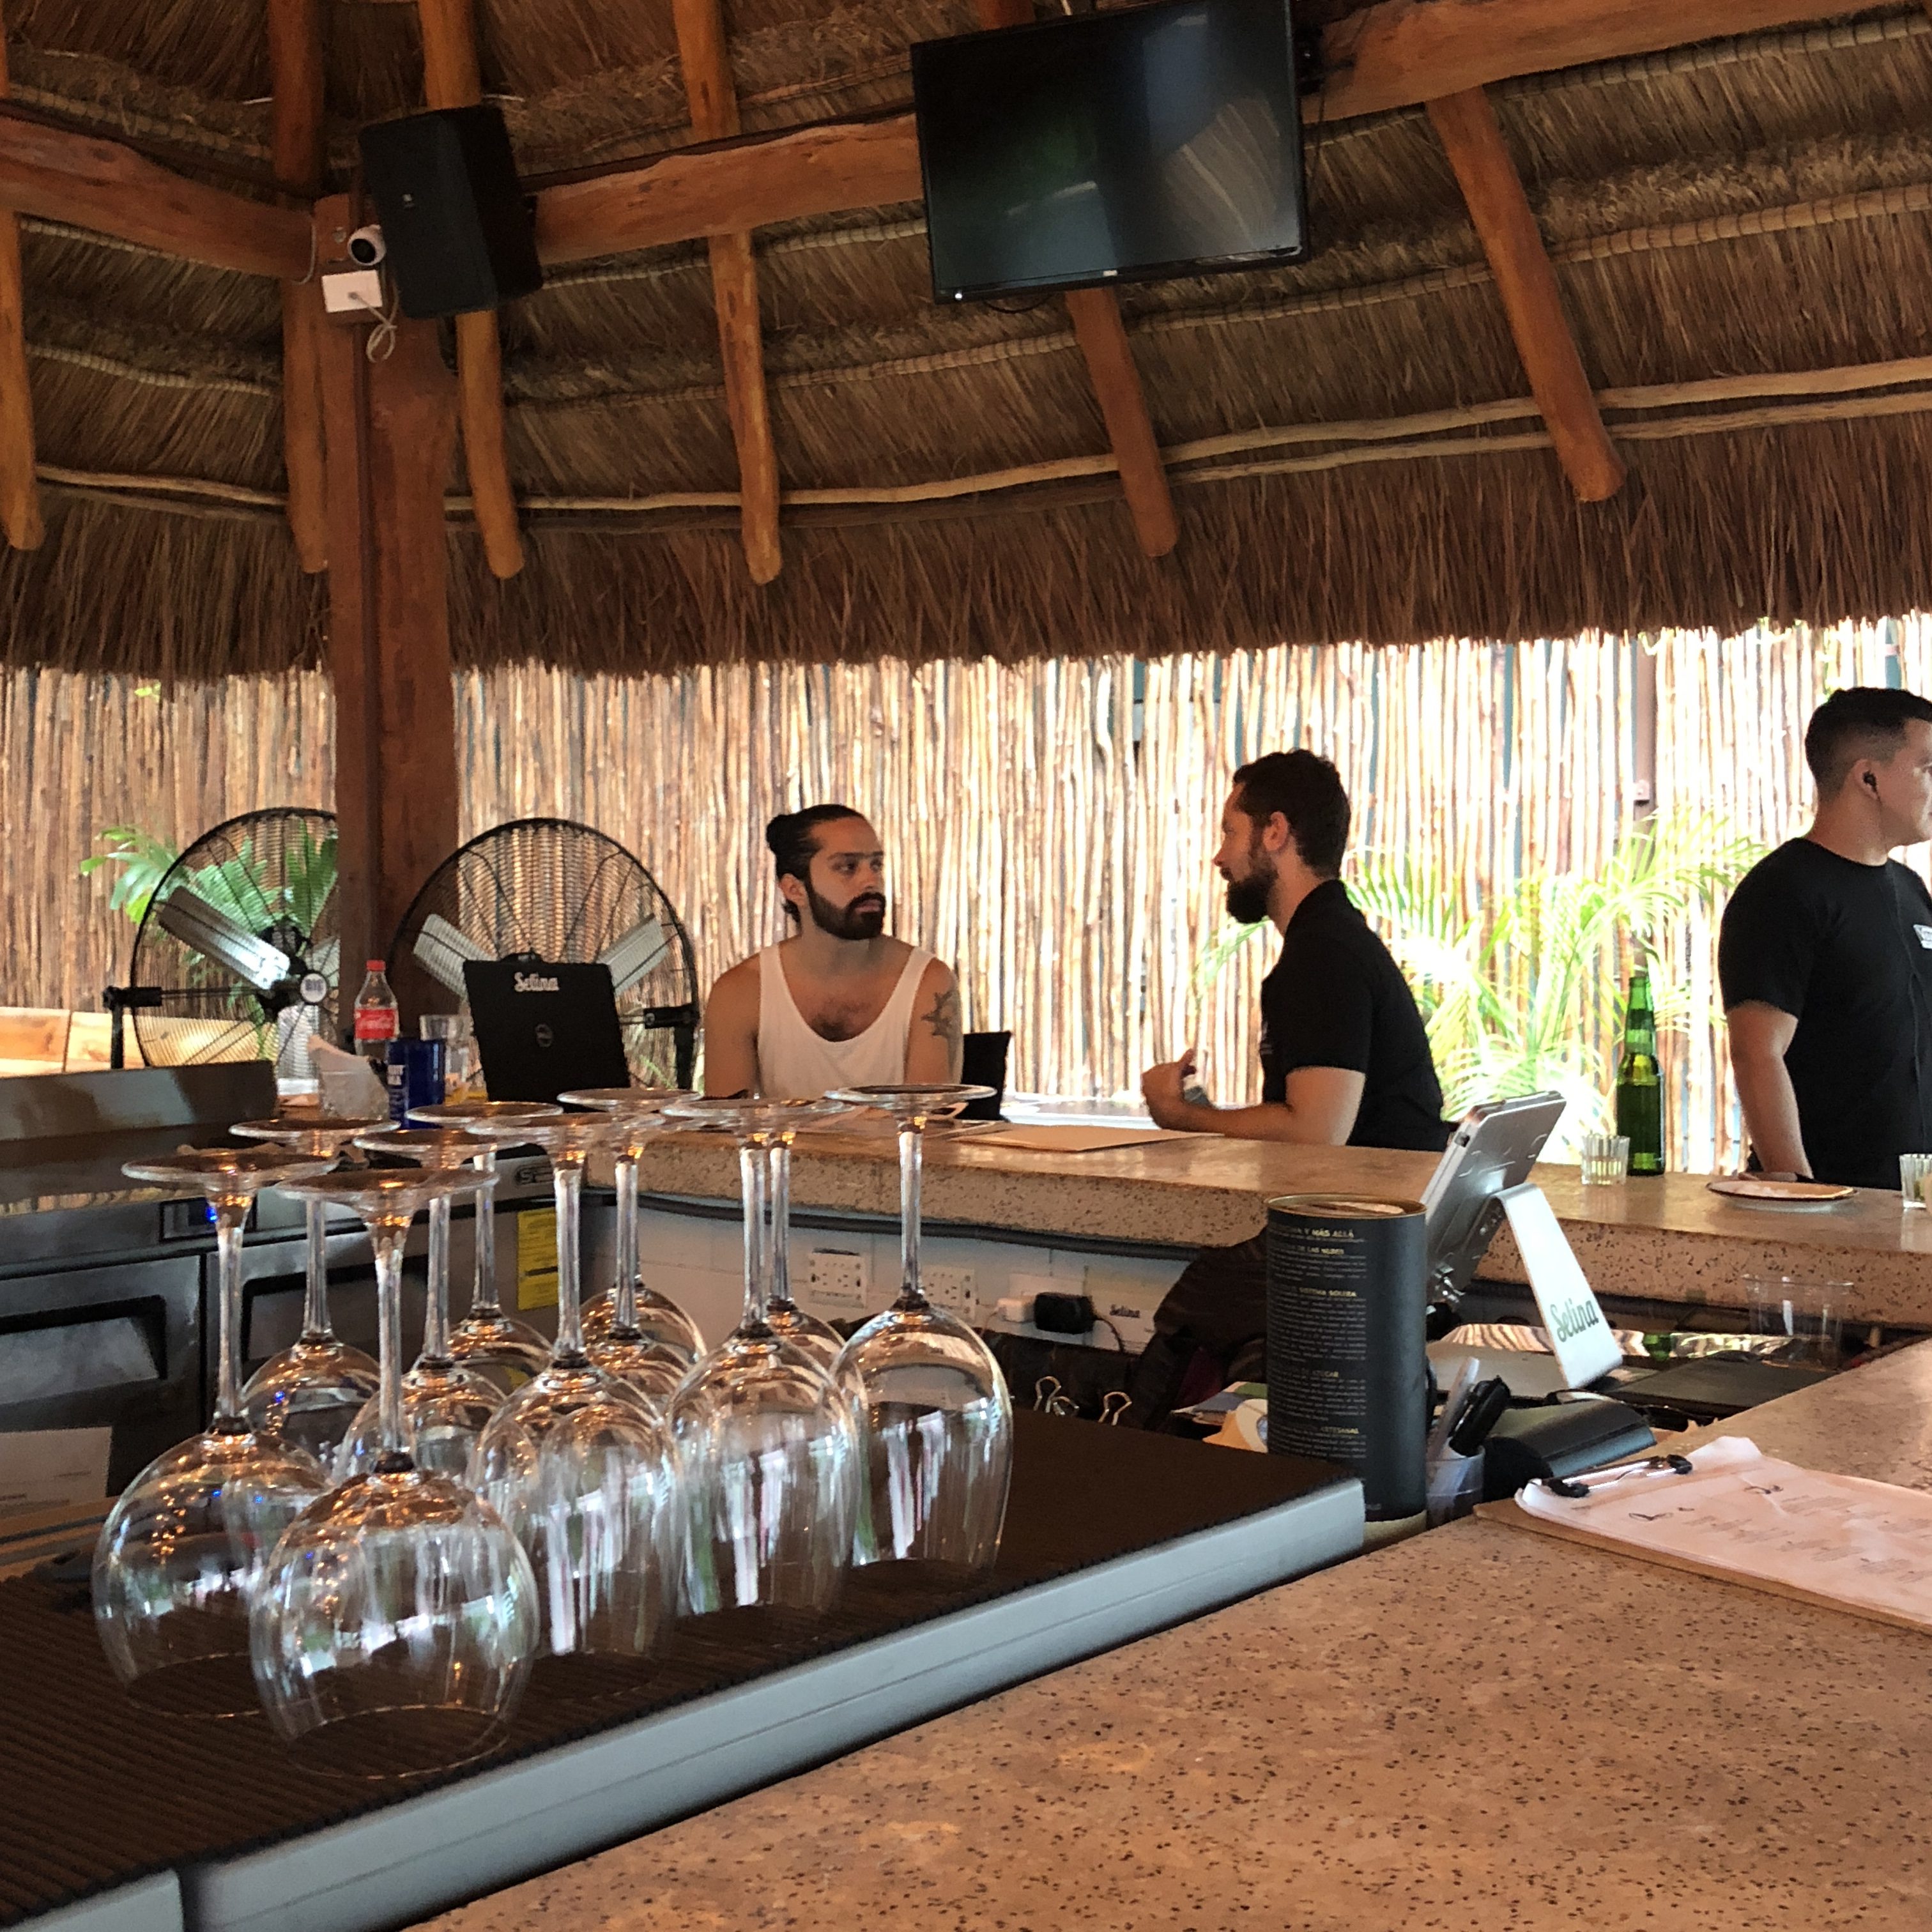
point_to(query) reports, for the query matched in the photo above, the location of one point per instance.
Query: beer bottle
(1640, 1084)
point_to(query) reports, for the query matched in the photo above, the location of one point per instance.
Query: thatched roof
(1744, 209)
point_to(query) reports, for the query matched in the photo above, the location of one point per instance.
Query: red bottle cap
(374, 966)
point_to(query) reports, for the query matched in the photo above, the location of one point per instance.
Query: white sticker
(1925, 933)
(1584, 1346)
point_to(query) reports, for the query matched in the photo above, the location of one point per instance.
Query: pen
(1479, 1416)
(1452, 1404)
(1576, 1487)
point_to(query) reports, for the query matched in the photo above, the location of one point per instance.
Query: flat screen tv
(1145, 142)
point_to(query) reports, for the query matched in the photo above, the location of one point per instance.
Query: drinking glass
(935, 1417)
(394, 1625)
(183, 1548)
(309, 1394)
(1805, 1318)
(633, 1331)
(497, 1346)
(1605, 1159)
(446, 1405)
(766, 1440)
(578, 1465)
(1913, 1170)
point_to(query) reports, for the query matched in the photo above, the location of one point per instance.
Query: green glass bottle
(1639, 1084)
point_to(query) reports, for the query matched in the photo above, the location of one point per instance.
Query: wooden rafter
(297, 149)
(19, 493)
(1103, 337)
(712, 99)
(1505, 224)
(452, 77)
(1398, 54)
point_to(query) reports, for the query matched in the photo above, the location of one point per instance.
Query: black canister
(1348, 1372)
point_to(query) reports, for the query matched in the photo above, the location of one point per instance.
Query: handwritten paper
(1866, 1545)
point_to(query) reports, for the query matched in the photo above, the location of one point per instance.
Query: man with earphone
(1825, 956)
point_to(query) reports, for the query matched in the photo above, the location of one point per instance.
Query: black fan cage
(261, 888)
(552, 890)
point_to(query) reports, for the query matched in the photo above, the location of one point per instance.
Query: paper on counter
(1864, 1544)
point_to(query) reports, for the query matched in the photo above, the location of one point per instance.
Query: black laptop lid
(543, 1028)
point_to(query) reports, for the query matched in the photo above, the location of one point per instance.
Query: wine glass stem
(912, 1143)
(483, 1296)
(624, 1295)
(751, 1171)
(568, 1178)
(436, 1309)
(779, 1270)
(229, 1217)
(315, 1301)
(388, 1239)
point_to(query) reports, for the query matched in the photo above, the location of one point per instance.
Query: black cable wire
(1119, 1340)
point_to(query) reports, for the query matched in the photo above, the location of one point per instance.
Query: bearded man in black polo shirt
(1345, 1060)
(1824, 956)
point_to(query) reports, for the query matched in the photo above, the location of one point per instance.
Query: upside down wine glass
(937, 1419)
(577, 1465)
(497, 1346)
(806, 1333)
(446, 1405)
(622, 1328)
(766, 1442)
(309, 1394)
(394, 1625)
(181, 1551)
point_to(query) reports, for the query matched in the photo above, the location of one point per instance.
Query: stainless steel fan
(239, 942)
(551, 890)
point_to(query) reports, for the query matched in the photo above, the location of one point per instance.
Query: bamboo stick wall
(1051, 824)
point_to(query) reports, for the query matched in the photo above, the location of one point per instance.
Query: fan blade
(631, 957)
(326, 959)
(200, 928)
(443, 950)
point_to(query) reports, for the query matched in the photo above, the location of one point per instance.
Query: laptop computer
(543, 1027)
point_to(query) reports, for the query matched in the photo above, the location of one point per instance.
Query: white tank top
(797, 1063)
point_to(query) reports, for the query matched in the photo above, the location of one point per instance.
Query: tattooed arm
(933, 1043)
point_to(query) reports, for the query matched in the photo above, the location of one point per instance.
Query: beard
(1248, 891)
(865, 918)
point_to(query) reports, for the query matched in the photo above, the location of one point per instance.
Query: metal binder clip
(1113, 1405)
(1049, 1396)
(1577, 1487)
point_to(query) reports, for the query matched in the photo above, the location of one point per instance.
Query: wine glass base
(401, 1741)
(216, 1686)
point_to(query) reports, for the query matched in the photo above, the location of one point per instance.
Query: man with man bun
(841, 1002)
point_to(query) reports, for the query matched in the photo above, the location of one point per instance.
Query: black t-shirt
(1846, 950)
(1336, 999)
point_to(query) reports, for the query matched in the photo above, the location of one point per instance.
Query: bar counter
(1668, 1239)
(1479, 1727)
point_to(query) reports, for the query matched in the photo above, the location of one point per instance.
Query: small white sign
(1572, 1315)
(52, 1469)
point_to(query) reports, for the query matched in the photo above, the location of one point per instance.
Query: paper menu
(1865, 1545)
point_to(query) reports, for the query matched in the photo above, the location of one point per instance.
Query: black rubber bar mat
(96, 1791)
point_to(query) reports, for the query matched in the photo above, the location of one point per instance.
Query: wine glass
(446, 1405)
(393, 1627)
(578, 1463)
(497, 1345)
(633, 1331)
(183, 1548)
(819, 1339)
(935, 1415)
(309, 1393)
(766, 1442)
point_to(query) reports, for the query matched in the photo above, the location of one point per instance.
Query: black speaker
(459, 232)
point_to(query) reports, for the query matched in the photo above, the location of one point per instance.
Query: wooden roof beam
(712, 97)
(1505, 224)
(1398, 54)
(19, 492)
(453, 77)
(298, 153)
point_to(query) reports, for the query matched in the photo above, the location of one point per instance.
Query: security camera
(366, 246)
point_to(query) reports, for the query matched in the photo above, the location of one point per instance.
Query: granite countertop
(1668, 1239)
(1479, 1727)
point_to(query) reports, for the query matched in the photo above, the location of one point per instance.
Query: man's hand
(1160, 1088)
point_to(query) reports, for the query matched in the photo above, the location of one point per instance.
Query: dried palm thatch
(1352, 448)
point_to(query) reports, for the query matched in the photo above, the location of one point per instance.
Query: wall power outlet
(835, 1281)
(954, 1289)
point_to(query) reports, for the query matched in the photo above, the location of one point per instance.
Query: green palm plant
(1525, 994)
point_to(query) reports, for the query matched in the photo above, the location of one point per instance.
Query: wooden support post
(391, 430)
(19, 493)
(1506, 226)
(295, 75)
(453, 77)
(1103, 337)
(713, 101)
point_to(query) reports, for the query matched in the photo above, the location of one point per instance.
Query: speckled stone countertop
(1479, 1728)
(1667, 1240)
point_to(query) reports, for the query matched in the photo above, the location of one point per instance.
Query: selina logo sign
(535, 983)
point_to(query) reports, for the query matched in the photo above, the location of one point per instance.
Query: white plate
(1797, 1197)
